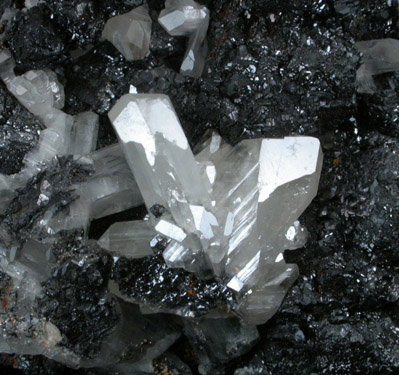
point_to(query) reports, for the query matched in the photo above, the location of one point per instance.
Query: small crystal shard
(130, 239)
(41, 93)
(188, 18)
(217, 341)
(130, 33)
(379, 56)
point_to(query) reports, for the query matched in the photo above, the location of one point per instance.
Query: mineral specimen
(221, 220)
(188, 18)
(130, 33)
(42, 94)
(130, 239)
(379, 56)
(275, 68)
(248, 197)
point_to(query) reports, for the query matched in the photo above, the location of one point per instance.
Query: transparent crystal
(188, 18)
(379, 56)
(130, 239)
(218, 340)
(224, 200)
(182, 17)
(289, 173)
(37, 90)
(130, 33)
(259, 304)
(111, 189)
(83, 139)
(155, 146)
(195, 55)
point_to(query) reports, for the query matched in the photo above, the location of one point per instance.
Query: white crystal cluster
(130, 33)
(225, 212)
(108, 191)
(230, 211)
(379, 56)
(190, 19)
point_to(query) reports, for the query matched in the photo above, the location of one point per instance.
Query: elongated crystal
(130, 239)
(289, 173)
(155, 147)
(111, 189)
(188, 18)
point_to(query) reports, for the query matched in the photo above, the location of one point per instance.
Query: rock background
(275, 68)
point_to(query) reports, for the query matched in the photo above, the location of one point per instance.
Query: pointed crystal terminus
(163, 164)
(188, 18)
(289, 173)
(130, 239)
(130, 33)
(182, 17)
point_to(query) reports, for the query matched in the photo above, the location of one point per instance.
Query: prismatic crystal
(207, 259)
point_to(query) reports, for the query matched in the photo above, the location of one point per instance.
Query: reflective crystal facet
(130, 33)
(188, 18)
(231, 210)
(155, 146)
(130, 239)
(41, 93)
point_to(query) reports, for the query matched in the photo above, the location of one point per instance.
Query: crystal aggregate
(219, 218)
(224, 216)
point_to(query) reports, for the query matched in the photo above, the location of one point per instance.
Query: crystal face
(188, 18)
(379, 56)
(209, 253)
(130, 33)
(223, 200)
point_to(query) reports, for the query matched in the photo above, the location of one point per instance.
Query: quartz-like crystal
(220, 216)
(379, 56)
(130, 33)
(155, 146)
(231, 210)
(130, 239)
(109, 190)
(219, 340)
(188, 18)
(41, 93)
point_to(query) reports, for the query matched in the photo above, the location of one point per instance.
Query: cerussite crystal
(379, 56)
(228, 211)
(188, 18)
(130, 33)
(155, 146)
